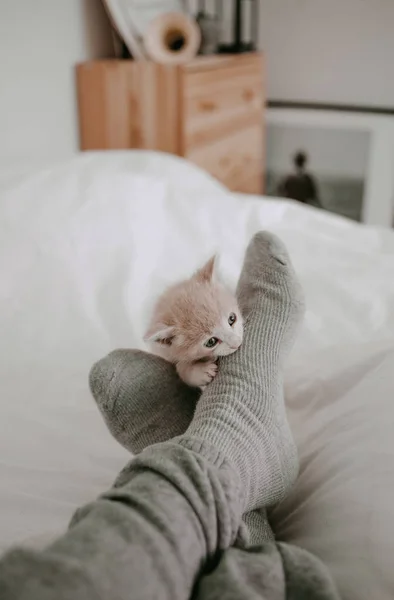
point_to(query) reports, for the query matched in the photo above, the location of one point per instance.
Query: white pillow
(341, 509)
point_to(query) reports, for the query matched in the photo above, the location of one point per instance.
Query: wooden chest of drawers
(210, 111)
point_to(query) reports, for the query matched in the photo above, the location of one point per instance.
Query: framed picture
(341, 161)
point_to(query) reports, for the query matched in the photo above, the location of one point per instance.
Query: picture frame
(345, 132)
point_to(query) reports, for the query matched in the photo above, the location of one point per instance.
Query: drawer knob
(224, 161)
(207, 105)
(248, 95)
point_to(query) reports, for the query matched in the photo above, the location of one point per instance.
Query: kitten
(193, 323)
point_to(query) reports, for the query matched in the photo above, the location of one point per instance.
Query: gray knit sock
(242, 412)
(144, 402)
(142, 399)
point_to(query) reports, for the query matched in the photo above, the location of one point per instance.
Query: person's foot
(141, 397)
(242, 413)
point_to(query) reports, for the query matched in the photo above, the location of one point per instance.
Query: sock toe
(273, 246)
(265, 249)
(99, 377)
(141, 398)
(116, 375)
(268, 273)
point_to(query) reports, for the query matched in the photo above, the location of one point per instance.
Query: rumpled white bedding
(86, 246)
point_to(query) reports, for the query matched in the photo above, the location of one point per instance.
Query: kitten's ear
(206, 273)
(162, 334)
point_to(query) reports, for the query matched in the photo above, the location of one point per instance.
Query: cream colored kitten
(193, 323)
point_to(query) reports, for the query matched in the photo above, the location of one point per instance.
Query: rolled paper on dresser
(172, 38)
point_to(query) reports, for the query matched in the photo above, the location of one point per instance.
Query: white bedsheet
(84, 249)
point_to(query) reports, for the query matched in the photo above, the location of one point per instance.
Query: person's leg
(170, 512)
(143, 401)
(267, 572)
(179, 503)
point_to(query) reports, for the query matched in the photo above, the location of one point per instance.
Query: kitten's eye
(232, 318)
(211, 343)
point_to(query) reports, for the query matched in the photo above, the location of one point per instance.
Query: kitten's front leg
(197, 374)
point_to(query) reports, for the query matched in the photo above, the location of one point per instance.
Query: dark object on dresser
(239, 44)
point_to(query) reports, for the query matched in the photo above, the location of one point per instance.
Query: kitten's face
(196, 319)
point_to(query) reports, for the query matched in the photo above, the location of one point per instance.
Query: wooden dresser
(210, 111)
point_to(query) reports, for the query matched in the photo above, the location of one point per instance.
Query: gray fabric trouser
(164, 531)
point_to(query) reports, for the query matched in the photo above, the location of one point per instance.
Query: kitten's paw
(211, 371)
(197, 374)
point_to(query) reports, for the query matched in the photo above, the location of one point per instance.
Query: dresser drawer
(236, 160)
(219, 101)
(210, 110)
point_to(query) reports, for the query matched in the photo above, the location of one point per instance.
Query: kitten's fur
(186, 316)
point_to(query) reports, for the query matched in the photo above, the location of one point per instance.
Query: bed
(85, 247)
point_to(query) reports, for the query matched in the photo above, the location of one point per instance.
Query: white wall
(338, 51)
(317, 50)
(40, 43)
(335, 51)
